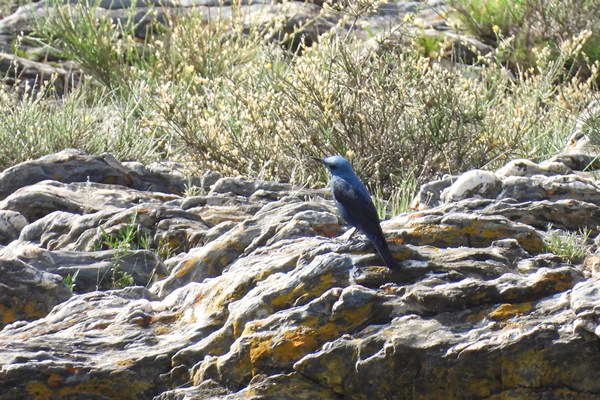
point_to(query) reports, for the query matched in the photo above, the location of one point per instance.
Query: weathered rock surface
(93, 270)
(249, 291)
(27, 292)
(68, 166)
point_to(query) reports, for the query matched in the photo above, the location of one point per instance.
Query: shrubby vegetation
(239, 99)
(534, 26)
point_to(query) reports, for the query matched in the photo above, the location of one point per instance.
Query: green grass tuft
(570, 246)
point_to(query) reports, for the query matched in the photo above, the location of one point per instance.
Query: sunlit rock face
(120, 287)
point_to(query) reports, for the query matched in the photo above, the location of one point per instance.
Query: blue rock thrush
(355, 205)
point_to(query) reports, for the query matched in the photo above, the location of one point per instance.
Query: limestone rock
(249, 289)
(558, 187)
(69, 166)
(65, 230)
(38, 200)
(473, 183)
(520, 180)
(429, 194)
(578, 161)
(30, 75)
(93, 270)
(97, 359)
(28, 293)
(398, 362)
(11, 224)
(523, 167)
(278, 221)
(457, 229)
(566, 214)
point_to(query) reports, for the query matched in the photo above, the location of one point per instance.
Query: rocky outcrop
(118, 287)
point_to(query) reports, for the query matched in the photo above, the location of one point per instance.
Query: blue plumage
(355, 205)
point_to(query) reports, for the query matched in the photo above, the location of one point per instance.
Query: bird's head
(337, 165)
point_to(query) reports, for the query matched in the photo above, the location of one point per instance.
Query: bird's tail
(384, 251)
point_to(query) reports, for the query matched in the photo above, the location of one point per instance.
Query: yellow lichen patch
(557, 280)
(163, 330)
(174, 242)
(445, 384)
(519, 370)
(415, 215)
(476, 233)
(165, 318)
(398, 240)
(93, 388)
(476, 316)
(263, 274)
(17, 310)
(8, 314)
(125, 363)
(404, 253)
(285, 348)
(426, 232)
(530, 241)
(354, 316)
(32, 310)
(506, 311)
(286, 299)
(188, 264)
(477, 388)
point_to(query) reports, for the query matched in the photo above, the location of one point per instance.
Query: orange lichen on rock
(506, 311)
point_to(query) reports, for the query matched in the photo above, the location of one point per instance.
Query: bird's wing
(358, 206)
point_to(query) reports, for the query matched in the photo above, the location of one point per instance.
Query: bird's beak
(319, 160)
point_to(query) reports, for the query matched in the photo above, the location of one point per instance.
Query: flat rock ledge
(116, 286)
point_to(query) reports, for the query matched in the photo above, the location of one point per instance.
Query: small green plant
(570, 246)
(163, 250)
(191, 189)
(488, 18)
(400, 198)
(428, 45)
(127, 237)
(70, 280)
(120, 279)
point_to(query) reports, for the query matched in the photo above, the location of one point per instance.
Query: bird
(355, 205)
